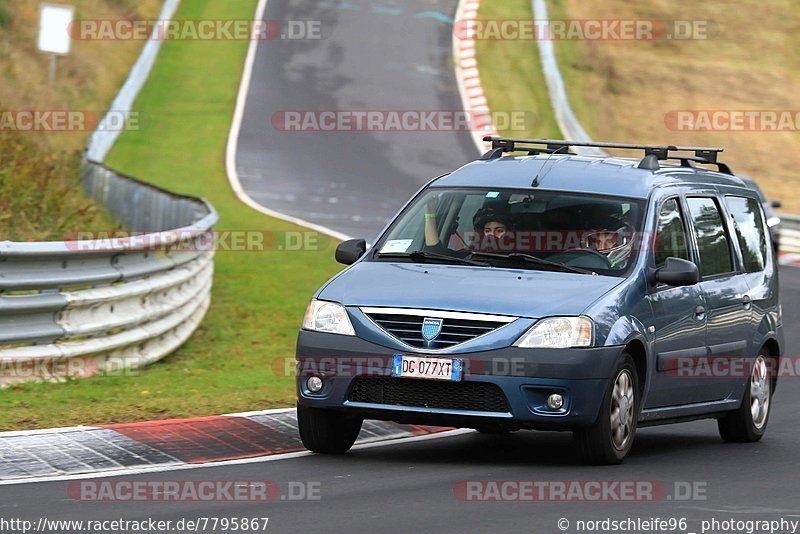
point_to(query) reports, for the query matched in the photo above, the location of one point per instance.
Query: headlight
(558, 333)
(327, 317)
(773, 221)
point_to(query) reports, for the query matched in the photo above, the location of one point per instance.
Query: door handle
(747, 302)
(700, 312)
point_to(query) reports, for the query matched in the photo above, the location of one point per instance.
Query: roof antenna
(537, 179)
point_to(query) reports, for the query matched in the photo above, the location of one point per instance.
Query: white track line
(45, 431)
(233, 141)
(242, 461)
(259, 412)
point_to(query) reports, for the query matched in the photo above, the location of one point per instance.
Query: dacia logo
(431, 328)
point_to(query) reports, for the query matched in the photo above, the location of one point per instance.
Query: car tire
(610, 438)
(327, 431)
(749, 422)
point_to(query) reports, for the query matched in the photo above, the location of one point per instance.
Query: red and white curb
(468, 75)
(129, 448)
(790, 259)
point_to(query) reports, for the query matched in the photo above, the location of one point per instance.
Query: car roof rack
(652, 153)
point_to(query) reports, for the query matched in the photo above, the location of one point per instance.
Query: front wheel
(610, 438)
(749, 422)
(326, 431)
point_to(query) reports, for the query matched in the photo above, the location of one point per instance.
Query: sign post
(54, 37)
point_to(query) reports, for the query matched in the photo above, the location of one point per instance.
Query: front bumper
(526, 377)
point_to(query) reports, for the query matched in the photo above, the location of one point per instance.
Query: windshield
(545, 230)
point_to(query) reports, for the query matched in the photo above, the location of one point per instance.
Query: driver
(614, 241)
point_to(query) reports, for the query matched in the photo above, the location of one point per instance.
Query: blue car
(539, 289)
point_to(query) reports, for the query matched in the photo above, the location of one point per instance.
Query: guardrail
(790, 233)
(78, 308)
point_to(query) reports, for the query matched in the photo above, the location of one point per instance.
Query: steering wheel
(606, 264)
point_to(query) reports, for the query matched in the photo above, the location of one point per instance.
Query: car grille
(408, 329)
(468, 396)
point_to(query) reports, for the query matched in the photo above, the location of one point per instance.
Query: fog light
(555, 401)
(314, 384)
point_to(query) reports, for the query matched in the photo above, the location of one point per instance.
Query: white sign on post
(54, 26)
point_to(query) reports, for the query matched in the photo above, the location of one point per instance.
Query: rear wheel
(749, 422)
(610, 438)
(326, 431)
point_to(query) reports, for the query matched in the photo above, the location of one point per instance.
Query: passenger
(488, 223)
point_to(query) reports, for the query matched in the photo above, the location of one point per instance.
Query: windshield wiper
(533, 259)
(421, 256)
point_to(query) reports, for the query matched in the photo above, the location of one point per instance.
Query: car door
(679, 319)
(728, 302)
(758, 262)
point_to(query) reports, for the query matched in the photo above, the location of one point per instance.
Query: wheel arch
(773, 350)
(636, 348)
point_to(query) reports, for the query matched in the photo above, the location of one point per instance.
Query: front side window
(670, 234)
(712, 240)
(520, 228)
(750, 231)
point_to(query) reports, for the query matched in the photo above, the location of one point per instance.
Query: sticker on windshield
(396, 245)
(493, 194)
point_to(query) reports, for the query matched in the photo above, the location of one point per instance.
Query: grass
(87, 78)
(40, 193)
(575, 67)
(5, 15)
(511, 73)
(235, 360)
(622, 90)
(41, 197)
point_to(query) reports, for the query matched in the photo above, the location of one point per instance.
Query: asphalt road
(373, 56)
(402, 60)
(410, 487)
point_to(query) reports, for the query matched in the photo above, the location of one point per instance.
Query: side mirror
(349, 251)
(676, 272)
(777, 204)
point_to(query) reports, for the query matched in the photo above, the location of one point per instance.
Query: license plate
(429, 368)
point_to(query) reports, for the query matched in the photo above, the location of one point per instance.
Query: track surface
(373, 56)
(406, 487)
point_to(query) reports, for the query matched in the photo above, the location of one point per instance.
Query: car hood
(513, 292)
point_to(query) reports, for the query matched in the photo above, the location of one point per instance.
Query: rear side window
(712, 241)
(670, 234)
(750, 232)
